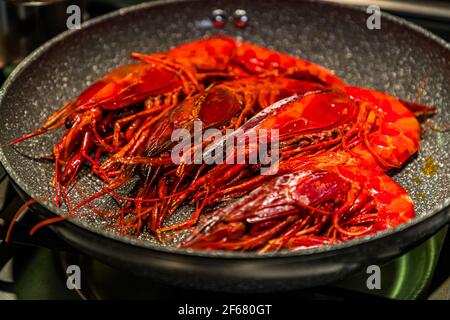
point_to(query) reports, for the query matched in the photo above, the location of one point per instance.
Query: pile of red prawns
(335, 144)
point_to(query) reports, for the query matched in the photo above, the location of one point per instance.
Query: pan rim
(440, 209)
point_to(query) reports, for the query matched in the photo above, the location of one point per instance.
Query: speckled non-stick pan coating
(399, 59)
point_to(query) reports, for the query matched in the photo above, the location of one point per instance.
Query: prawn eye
(68, 123)
(320, 187)
(219, 105)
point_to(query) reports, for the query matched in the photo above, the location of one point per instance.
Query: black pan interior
(399, 59)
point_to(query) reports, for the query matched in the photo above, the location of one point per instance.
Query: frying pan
(400, 58)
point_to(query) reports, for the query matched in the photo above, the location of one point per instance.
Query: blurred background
(25, 24)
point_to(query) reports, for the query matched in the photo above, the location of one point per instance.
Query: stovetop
(38, 271)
